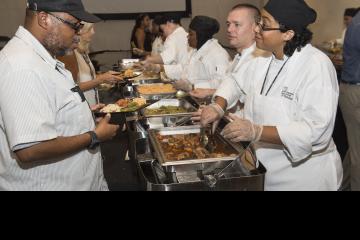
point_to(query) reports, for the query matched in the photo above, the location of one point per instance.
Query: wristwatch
(94, 141)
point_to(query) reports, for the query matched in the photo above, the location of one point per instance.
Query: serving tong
(207, 141)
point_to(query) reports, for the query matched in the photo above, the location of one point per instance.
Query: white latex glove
(196, 116)
(138, 52)
(184, 85)
(242, 130)
(211, 114)
(150, 67)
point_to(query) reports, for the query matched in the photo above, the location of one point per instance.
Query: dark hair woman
(290, 103)
(141, 36)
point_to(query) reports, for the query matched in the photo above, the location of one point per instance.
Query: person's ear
(43, 19)
(288, 35)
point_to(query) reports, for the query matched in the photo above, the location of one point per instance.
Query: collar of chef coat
(240, 58)
(30, 40)
(247, 51)
(205, 48)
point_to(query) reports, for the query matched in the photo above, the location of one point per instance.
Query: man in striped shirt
(48, 137)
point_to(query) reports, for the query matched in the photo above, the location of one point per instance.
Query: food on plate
(156, 89)
(124, 105)
(129, 73)
(186, 147)
(163, 110)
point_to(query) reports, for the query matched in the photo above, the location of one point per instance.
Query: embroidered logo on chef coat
(286, 94)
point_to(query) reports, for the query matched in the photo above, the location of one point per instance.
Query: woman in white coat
(290, 103)
(208, 60)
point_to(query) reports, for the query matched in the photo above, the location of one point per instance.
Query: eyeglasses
(75, 26)
(263, 28)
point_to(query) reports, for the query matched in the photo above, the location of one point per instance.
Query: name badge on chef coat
(286, 94)
(80, 92)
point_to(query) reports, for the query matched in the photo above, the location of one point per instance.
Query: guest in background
(158, 40)
(82, 69)
(350, 102)
(141, 36)
(349, 14)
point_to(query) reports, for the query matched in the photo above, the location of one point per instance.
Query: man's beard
(56, 46)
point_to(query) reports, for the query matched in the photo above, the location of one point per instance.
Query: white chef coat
(176, 48)
(37, 105)
(157, 46)
(241, 58)
(302, 104)
(87, 73)
(205, 68)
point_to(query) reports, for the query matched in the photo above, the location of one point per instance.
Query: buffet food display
(124, 105)
(160, 125)
(170, 107)
(151, 89)
(186, 147)
(181, 146)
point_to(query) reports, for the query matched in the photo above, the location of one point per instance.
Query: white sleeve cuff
(296, 138)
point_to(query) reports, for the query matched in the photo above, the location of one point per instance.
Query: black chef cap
(205, 24)
(171, 17)
(351, 12)
(205, 28)
(294, 14)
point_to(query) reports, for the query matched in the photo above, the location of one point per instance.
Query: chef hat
(205, 24)
(294, 14)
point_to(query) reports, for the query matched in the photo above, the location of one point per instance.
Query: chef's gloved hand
(202, 93)
(184, 85)
(150, 67)
(196, 116)
(138, 52)
(242, 130)
(211, 114)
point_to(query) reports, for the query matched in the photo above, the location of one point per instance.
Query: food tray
(155, 96)
(161, 156)
(171, 102)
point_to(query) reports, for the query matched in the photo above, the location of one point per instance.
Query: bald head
(253, 11)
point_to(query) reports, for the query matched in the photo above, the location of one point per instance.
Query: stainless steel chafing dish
(169, 120)
(173, 103)
(195, 129)
(220, 174)
(155, 96)
(146, 78)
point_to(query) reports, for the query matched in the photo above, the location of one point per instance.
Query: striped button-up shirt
(37, 105)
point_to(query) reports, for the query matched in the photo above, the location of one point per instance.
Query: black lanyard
(267, 73)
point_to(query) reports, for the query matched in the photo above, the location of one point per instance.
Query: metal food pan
(145, 81)
(160, 154)
(171, 102)
(155, 96)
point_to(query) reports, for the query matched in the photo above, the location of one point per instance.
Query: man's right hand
(106, 131)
